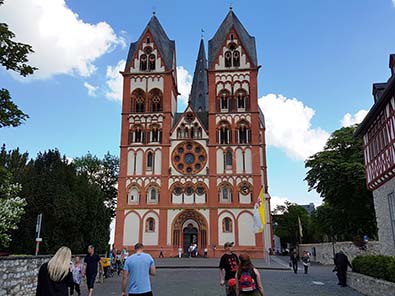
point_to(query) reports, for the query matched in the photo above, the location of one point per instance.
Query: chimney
(378, 89)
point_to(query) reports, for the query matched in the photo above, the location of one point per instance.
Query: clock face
(189, 157)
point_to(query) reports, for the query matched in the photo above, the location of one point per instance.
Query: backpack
(247, 281)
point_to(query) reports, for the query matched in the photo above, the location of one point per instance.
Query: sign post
(38, 231)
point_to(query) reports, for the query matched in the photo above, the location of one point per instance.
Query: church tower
(192, 178)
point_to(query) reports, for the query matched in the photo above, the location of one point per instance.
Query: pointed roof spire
(165, 45)
(247, 41)
(199, 90)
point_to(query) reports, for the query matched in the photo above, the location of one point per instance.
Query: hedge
(381, 267)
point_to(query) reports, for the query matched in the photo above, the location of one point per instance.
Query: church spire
(198, 98)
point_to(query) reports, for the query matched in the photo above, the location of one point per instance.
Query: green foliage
(13, 56)
(337, 173)
(102, 172)
(285, 221)
(11, 207)
(75, 211)
(382, 267)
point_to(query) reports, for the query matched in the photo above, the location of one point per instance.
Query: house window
(227, 225)
(153, 194)
(228, 59)
(236, 59)
(225, 194)
(150, 225)
(391, 206)
(224, 101)
(224, 132)
(140, 104)
(138, 136)
(149, 161)
(155, 135)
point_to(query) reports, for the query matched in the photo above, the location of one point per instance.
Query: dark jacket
(48, 287)
(341, 261)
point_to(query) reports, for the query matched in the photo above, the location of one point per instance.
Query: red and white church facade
(192, 177)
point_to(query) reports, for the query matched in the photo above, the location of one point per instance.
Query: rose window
(189, 158)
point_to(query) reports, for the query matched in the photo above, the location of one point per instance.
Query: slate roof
(247, 41)
(199, 90)
(165, 46)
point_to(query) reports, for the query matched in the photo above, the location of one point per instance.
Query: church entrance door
(190, 237)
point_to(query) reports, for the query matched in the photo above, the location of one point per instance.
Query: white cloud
(63, 43)
(277, 201)
(349, 119)
(115, 81)
(288, 126)
(184, 81)
(91, 89)
(393, 2)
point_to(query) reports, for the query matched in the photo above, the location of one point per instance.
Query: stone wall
(370, 286)
(385, 229)
(324, 251)
(18, 275)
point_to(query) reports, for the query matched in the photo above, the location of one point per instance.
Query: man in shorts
(228, 266)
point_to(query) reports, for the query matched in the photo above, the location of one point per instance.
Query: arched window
(133, 195)
(152, 60)
(241, 99)
(228, 59)
(179, 133)
(143, 62)
(236, 58)
(140, 104)
(138, 100)
(227, 225)
(138, 135)
(153, 194)
(228, 160)
(149, 161)
(225, 193)
(224, 133)
(224, 103)
(150, 225)
(244, 133)
(155, 134)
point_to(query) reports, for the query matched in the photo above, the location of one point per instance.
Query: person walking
(161, 253)
(91, 263)
(248, 278)
(341, 263)
(77, 276)
(228, 265)
(179, 252)
(136, 271)
(294, 258)
(55, 277)
(306, 261)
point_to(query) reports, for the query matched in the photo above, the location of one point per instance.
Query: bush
(381, 267)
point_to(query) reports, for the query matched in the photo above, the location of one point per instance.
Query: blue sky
(319, 60)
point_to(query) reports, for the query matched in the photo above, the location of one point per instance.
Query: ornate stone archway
(177, 227)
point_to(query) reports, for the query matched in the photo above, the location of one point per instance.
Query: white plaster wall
(131, 229)
(151, 238)
(220, 161)
(137, 83)
(131, 162)
(155, 82)
(245, 199)
(158, 162)
(135, 193)
(188, 199)
(243, 57)
(226, 236)
(200, 199)
(246, 230)
(177, 199)
(139, 162)
(239, 161)
(248, 160)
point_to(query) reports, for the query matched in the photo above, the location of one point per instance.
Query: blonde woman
(54, 277)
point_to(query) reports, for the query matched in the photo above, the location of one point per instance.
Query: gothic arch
(179, 221)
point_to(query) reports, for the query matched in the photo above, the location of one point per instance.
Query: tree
(285, 217)
(13, 56)
(337, 173)
(11, 207)
(74, 210)
(102, 172)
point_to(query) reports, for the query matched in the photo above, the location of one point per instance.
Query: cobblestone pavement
(204, 280)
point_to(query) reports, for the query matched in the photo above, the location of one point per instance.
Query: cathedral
(192, 178)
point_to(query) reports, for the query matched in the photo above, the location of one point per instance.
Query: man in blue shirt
(136, 270)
